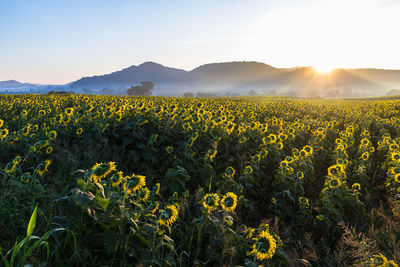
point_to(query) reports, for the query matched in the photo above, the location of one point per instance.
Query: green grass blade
(32, 223)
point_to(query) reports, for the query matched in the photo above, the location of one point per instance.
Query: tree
(146, 88)
(188, 94)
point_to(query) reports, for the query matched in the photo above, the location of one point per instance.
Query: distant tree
(188, 94)
(252, 93)
(106, 91)
(146, 88)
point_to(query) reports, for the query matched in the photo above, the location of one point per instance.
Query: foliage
(198, 181)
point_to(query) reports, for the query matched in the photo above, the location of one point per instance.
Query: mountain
(233, 78)
(148, 71)
(15, 84)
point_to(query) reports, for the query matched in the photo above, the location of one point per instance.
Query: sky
(57, 42)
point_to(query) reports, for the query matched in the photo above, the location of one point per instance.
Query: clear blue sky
(59, 41)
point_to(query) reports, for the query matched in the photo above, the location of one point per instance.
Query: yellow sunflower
(230, 172)
(248, 170)
(3, 133)
(144, 194)
(101, 170)
(265, 246)
(356, 187)
(154, 207)
(116, 179)
(229, 202)
(168, 215)
(334, 183)
(79, 131)
(210, 201)
(134, 184)
(49, 150)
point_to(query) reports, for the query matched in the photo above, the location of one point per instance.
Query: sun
(323, 69)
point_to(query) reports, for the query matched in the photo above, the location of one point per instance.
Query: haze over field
(57, 43)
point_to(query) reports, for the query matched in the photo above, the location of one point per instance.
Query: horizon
(49, 42)
(318, 72)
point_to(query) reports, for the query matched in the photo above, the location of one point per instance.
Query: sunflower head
(230, 172)
(170, 149)
(229, 202)
(101, 170)
(265, 246)
(143, 194)
(135, 183)
(26, 177)
(304, 201)
(154, 207)
(210, 201)
(334, 183)
(116, 179)
(356, 187)
(248, 170)
(168, 215)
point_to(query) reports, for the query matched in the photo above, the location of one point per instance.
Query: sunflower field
(230, 181)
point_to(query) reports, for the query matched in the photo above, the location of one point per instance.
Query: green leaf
(32, 223)
(42, 241)
(103, 202)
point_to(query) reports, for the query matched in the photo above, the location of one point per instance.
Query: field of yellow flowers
(236, 181)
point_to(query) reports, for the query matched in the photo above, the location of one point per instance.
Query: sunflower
(230, 172)
(264, 153)
(365, 156)
(79, 131)
(69, 111)
(154, 207)
(17, 160)
(334, 183)
(116, 179)
(143, 194)
(1, 123)
(397, 178)
(204, 128)
(170, 149)
(229, 202)
(284, 164)
(309, 150)
(3, 133)
(300, 175)
(168, 215)
(356, 187)
(304, 201)
(52, 135)
(26, 177)
(365, 142)
(10, 167)
(49, 150)
(101, 170)
(250, 233)
(378, 260)
(256, 158)
(287, 170)
(211, 153)
(210, 201)
(135, 183)
(242, 139)
(265, 246)
(41, 169)
(47, 164)
(279, 146)
(248, 170)
(395, 156)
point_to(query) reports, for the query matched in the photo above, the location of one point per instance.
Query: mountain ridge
(238, 77)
